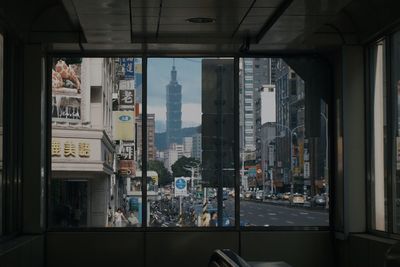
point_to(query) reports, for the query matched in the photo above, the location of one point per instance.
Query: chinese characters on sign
(126, 99)
(70, 149)
(126, 151)
(128, 65)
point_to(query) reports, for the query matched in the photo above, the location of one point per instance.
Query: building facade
(83, 180)
(196, 146)
(151, 148)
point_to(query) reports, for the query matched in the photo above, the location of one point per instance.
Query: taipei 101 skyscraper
(174, 109)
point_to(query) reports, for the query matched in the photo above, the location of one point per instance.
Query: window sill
(380, 239)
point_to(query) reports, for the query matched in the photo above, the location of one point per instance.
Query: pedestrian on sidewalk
(118, 217)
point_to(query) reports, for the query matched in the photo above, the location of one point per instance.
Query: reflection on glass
(284, 171)
(378, 138)
(181, 118)
(95, 104)
(395, 59)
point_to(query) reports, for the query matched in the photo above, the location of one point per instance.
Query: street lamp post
(192, 169)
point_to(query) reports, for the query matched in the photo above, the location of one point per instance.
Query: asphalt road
(264, 214)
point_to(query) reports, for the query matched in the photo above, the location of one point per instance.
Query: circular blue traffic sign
(180, 183)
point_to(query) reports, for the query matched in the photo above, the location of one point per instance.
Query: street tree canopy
(182, 166)
(164, 176)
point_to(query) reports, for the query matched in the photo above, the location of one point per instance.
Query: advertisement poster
(126, 151)
(124, 125)
(66, 108)
(66, 89)
(138, 79)
(135, 205)
(126, 167)
(126, 99)
(129, 68)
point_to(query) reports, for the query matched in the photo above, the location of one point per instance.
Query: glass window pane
(95, 103)
(1, 132)
(182, 94)
(395, 63)
(284, 176)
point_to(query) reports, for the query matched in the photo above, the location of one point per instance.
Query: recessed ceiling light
(201, 20)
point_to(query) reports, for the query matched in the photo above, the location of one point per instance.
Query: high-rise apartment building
(151, 149)
(187, 146)
(172, 154)
(290, 112)
(196, 146)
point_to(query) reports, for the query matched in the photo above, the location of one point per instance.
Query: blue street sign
(180, 183)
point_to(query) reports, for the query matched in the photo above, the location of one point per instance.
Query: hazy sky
(188, 76)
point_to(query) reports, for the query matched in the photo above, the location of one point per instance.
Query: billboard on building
(126, 167)
(128, 65)
(138, 79)
(66, 89)
(126, 99)
(124, 125)
(126, 151)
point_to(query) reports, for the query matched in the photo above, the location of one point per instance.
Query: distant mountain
(161, 142)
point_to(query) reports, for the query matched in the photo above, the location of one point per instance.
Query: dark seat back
(392, 258)
(226, 258)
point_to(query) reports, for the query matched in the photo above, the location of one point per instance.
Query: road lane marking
(272, 214)
(310, 217)
(290, 222)
(304, 213)
(260, 215)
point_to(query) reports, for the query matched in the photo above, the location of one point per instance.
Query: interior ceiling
(239, 24)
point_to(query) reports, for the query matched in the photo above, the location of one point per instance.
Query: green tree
(182, 166)
(164, 176)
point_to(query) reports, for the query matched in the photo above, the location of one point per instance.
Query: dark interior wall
(362, 250)
(25, 251)
(153, 249)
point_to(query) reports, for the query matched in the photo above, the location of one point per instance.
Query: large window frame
(11, 187)
(144, 227)
(391, 129)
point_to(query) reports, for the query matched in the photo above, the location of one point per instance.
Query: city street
(265, 214)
